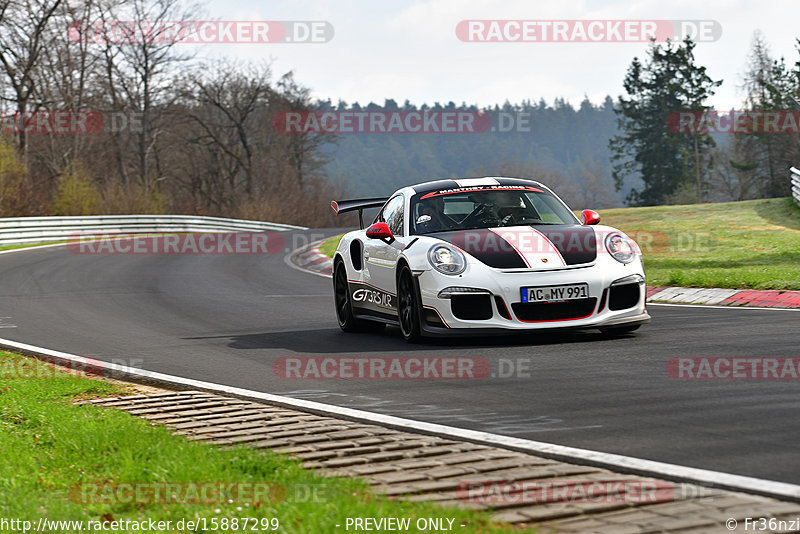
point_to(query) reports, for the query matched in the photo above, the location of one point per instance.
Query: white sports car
(482, 256)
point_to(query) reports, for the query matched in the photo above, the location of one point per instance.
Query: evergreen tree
(670, 81)
(769, 83)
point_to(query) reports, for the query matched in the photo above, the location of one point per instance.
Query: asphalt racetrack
(228, 318)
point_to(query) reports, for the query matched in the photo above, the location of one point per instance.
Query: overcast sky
(409, 49)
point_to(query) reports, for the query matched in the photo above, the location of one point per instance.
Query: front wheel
(408, 306)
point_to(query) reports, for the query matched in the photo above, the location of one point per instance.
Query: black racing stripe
(577, 244)
(486, 246)
(435, 186)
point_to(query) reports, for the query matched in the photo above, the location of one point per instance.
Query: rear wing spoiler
(343, 206)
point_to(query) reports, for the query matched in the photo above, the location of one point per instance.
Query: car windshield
(486, 207)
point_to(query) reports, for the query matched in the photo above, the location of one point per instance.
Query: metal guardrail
(22, 230)
(795, 175)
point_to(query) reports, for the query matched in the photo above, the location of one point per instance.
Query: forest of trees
(178, 134)
(174, 133)
(616, 153)
(563, 146)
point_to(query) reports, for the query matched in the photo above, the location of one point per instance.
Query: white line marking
(695, 306)
(617, 462)
(37, 247)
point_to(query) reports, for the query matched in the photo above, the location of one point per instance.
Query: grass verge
(26, 245)
(753, 244)
(76, 463)
(328, 247)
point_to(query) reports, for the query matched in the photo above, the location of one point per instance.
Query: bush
(13, 180)
(77, 193)
(132, 199)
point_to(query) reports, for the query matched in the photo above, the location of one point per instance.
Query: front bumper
(442, 316)
(436, 331)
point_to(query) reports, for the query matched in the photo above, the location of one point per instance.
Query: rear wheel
(341, 295)
(344, 308)
(408, 306)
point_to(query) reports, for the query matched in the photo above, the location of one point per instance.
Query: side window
(392, 215)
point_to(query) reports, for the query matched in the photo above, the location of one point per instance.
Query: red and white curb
(762, 298)
(309, 258)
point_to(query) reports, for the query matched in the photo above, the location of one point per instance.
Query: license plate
(555, 293)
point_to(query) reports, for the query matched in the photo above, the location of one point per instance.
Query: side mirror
(379, 230)
(590, 217)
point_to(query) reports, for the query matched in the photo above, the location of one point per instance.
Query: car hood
(541, 247)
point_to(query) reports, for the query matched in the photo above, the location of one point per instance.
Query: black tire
(344, 309)
(341, 298)
(408, 306)
(614, 331)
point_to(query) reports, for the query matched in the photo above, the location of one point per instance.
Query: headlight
(447, 260)
(621, 248)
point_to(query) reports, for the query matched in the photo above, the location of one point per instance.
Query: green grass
(753, 244)
(55, 455)
(328, 247)
(26, 245)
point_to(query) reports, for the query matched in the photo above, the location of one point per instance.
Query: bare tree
(142, 71)
(195, 141)
(303, 147)
(70, 74)
(768, 83)
(244, 160)
(230, 108)
(22, 40)
(732, 180)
